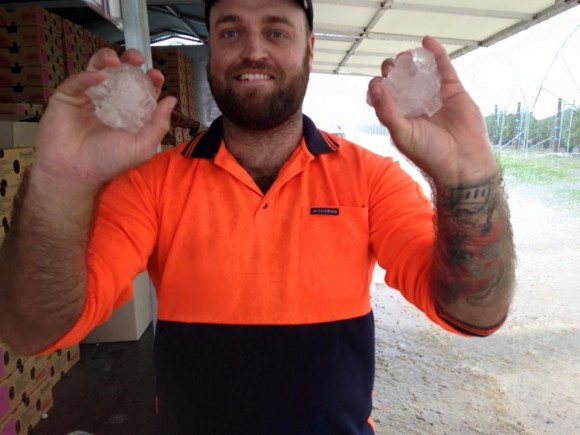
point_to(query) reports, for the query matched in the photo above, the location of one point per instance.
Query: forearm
(473, 271)
(42, 262)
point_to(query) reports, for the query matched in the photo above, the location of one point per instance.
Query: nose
(254, 47)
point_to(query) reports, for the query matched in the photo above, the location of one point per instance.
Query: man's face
(260, 60)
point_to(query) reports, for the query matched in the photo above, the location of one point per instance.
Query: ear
(311, 40)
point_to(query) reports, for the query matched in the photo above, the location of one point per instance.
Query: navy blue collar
(205, 145)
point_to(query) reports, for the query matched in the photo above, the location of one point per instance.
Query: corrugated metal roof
(355, 36)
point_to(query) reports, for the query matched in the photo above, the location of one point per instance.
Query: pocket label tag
(324, 211)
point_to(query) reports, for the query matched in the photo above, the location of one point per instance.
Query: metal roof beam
(450, 10)
(419, 38)
(546, 14)
(364, 65)
(346, 32)
(357, 3)
(358, 53)
(335, 36)
(372, 22)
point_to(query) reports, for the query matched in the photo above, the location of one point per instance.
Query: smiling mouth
(254, 77)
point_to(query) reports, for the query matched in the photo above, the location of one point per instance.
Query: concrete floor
(110, 391)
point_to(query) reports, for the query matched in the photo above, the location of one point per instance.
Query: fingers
(132, 56)
(446, 69)
(72, 90)
(444, 64)
(160, 122)
(382, 101)
(387, 66)
(157, 78)
(107, 57)
(103, 58)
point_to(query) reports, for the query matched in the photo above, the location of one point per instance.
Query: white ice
(125, 99)
(415, 83)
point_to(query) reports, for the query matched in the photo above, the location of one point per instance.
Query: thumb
(157, 128)
(380, 98)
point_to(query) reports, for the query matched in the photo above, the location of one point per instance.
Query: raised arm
(472, 276)
(42, 261)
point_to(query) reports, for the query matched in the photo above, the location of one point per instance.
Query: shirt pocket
(334, 256)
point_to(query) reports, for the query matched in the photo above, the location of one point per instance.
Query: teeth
(250, 77)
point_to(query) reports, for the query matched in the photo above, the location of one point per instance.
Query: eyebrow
(270, 19)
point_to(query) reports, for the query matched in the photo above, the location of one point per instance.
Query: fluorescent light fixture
(110, 9)
(175, 39)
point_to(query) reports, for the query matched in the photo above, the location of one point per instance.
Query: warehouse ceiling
(352, 36)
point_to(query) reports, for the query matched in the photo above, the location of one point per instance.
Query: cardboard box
(11, 425)
(75, 63)
(31, 76)
(38, 372)
(26, 94)
(72, 355)
(60, 362)
(72, 30)
(30, 36)
(28, 16)
(79, 45)
(39, 402)
(129, 322)
(49, 56)
(9, 361)
(4, 226)
(6, 205)
(7, 194)
(21, 111)
(22, 382)
(13, 389)
(27, 415)
(13, 164)
(17, 134)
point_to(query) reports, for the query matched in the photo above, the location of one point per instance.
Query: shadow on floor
(110, 391)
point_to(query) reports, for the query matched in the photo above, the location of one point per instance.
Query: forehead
(256, 10)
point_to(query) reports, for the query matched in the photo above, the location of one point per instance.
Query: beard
(254, 109)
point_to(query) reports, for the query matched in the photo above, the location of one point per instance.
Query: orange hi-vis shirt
(273, 270)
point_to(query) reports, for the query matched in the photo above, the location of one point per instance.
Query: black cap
(306, 4)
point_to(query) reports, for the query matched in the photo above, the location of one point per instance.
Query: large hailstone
(415, 83)
(126, 99)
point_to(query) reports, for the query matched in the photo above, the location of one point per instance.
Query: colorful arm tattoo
(474, 255)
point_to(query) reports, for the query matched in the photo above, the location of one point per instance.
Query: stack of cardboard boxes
(25, 382)
(26, 386)
(31, 55)
(39, 49)
(177, 67)
(34, 37)
(19, 111)
(16, 156)
(80, 44)
(13, 164)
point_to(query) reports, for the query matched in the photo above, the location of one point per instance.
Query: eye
(276, 34)
(229, 34)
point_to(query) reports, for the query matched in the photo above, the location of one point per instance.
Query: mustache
(253, 65)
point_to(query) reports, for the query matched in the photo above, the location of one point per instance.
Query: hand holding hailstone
(126, 99)
(415, 84)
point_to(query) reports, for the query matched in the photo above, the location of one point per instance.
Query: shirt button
(265, 206)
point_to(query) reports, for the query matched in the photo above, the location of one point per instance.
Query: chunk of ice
(415, 83)
(125, 99)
